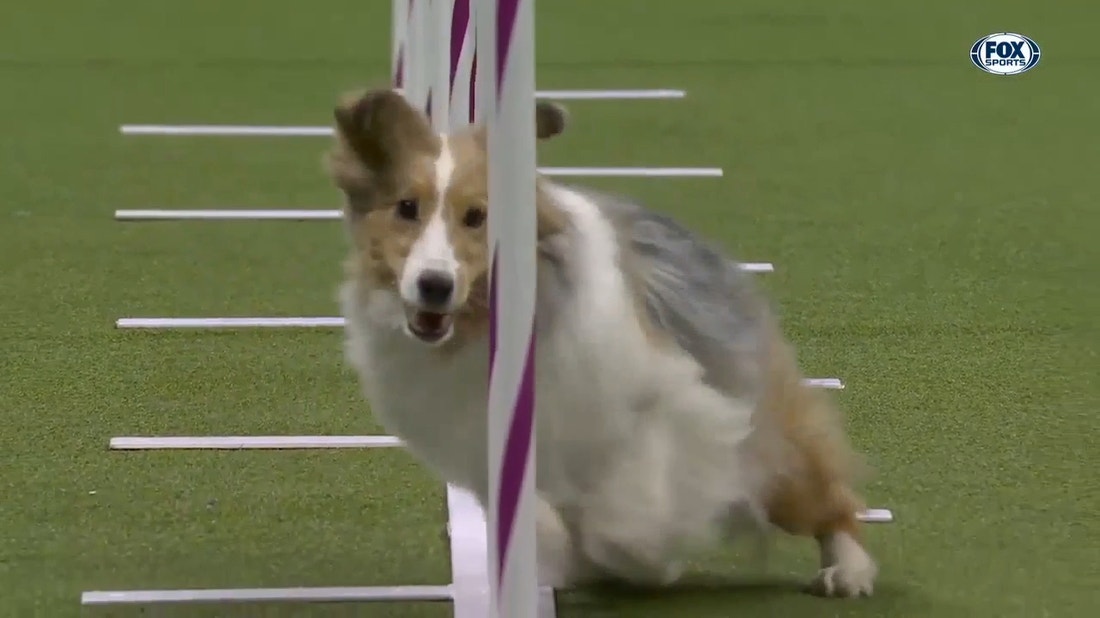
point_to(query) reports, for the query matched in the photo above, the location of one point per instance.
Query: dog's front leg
(559, 563)
(622, 527)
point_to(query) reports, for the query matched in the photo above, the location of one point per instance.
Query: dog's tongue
(429, 322)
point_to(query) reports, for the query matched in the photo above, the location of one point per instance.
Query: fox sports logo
(1005, 53)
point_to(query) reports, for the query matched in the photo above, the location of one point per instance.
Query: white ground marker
(246, 322)
(877, 516)
(258, 595)
(627, 172)
(226, 130)
(609, 95)
(232, 214)
(229, 214)
(826, 383)
(635, 172)
(241, 130)
(758, 267)
(142, 443)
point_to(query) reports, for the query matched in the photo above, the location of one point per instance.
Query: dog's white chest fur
(436, 405)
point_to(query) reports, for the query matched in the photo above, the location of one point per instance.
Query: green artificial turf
(934, 228)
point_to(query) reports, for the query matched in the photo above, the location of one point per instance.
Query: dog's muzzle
(435, 288)
(430, 319)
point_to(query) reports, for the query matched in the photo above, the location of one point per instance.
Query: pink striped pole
(399, 36)
(462, 64)
(506, 102)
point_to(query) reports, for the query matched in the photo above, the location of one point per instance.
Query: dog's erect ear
(382, 128)
(550, 119)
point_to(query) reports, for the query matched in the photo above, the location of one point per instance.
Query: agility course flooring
(933, 230)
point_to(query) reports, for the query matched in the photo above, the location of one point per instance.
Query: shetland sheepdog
(670, 414)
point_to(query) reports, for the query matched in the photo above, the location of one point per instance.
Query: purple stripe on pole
(518, 445)
(506, 27)
(399, 79)
(493, 312)
(460, 24)
(473, 90)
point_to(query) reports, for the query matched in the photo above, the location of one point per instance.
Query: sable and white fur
(670, 409)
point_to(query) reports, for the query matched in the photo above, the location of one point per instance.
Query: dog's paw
(849, 571)
(839, 581)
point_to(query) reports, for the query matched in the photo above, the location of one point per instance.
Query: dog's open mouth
(428, 326)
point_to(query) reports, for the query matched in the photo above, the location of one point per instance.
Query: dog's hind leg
(829, 515)
(813, 494)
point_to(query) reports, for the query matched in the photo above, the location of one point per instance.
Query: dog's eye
(474, 217)
(408, 209)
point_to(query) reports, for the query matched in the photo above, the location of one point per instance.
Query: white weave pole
(421, 64)
(506, 101)
(418, 57)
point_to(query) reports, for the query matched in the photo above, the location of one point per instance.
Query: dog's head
(416, 209)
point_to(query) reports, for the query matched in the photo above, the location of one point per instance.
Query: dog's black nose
(435, 287)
